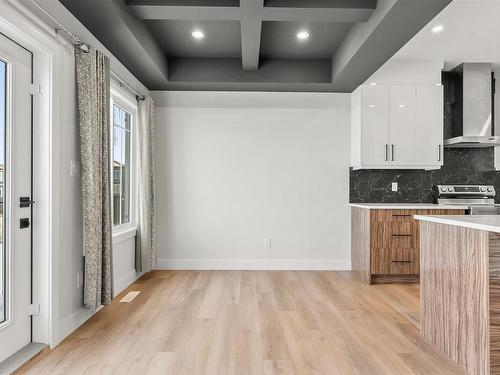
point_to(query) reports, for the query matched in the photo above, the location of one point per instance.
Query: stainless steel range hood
(469, 106)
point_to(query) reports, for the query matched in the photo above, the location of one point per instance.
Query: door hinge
(35, 89)
(34, 309)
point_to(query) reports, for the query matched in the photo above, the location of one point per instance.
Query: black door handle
(25, 202)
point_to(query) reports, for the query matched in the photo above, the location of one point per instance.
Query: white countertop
(406, 206)
(490, 223)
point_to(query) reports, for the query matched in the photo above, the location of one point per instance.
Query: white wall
(124, 272)
(236, 168)
(407, 72)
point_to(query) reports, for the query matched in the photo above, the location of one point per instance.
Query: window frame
(125, 101)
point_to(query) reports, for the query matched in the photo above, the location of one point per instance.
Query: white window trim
(123, 99)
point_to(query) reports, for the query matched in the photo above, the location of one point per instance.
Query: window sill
(121, 234)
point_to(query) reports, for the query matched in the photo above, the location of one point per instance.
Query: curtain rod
(76, 40)
(124, 83)
(85, 48)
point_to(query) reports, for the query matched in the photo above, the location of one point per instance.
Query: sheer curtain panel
(145, 258)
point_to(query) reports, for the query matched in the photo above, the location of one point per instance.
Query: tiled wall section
(461, 166)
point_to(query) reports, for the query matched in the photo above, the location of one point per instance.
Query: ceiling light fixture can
(198, 34)
(437, 29)
(302, 35)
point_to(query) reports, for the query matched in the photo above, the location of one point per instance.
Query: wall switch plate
(74, 168)
(394, 186)
(267, 243)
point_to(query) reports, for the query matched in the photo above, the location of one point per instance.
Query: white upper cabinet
(403, 126)
(397, 126)
(374, 125)
(430, 122)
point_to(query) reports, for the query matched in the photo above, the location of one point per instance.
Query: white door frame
(31, 35)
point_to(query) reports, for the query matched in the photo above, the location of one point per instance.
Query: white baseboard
(70, 324)
(254, 264)
(124, 281)
(75, 320)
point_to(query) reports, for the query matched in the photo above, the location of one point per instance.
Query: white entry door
(15, 197)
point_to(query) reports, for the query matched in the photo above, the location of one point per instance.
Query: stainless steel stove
(480, 199)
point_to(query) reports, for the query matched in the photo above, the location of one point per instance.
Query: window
(122, 162)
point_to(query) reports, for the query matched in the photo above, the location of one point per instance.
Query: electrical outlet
(394, 186)
(79, 279)
(267, 243)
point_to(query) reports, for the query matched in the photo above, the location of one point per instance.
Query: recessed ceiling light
(438, 84)
(437, 29)
(401, 106)
(198, 34)
(372, 105)
(302, 35)
(373, 84)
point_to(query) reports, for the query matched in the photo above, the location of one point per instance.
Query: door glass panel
(3, 105)
(121, 166)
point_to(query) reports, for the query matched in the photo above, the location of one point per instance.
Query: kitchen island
(460, 289)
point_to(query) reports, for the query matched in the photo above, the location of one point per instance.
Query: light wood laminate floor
(246, 322)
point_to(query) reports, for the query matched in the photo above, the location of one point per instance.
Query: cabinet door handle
(392, 152)
(402, 215)
(439, 152)
(386, 152)
(401, 261)
(401, 235)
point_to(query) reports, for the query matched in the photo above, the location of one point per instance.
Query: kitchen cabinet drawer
(395, 235)
(407, 215)
(395, 261)
(393, 215)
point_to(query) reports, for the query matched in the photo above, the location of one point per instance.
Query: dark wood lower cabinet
(388, 234)
(386, 243)
(395, 261)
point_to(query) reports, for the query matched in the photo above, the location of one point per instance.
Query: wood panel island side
(460, 289)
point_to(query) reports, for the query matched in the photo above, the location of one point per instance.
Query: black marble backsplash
(461, 166)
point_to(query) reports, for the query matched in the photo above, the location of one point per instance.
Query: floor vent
(129, 297)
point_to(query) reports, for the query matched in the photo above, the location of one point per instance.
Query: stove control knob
(450, 189)
(483, 189)
(490, 189)
(443, 189)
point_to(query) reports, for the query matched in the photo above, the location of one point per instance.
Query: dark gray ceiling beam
(128, 40)
(251, 27)
(369, 45)
(367, 4)
(190, 3)
(161, 12)
(249, 86)
(316, 15)
(218, 70)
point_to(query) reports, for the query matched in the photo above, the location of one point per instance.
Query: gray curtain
(93, 95)
(145, 258)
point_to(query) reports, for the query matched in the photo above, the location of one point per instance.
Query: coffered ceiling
(253, 44)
